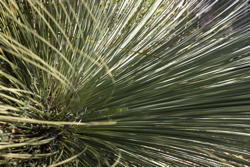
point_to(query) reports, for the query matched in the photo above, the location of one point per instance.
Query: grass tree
(128, 83)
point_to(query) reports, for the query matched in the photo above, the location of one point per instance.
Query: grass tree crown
(124, 83)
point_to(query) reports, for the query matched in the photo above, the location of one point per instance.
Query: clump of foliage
(126, 83)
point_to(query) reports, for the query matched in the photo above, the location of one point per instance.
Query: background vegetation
(128, 83)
